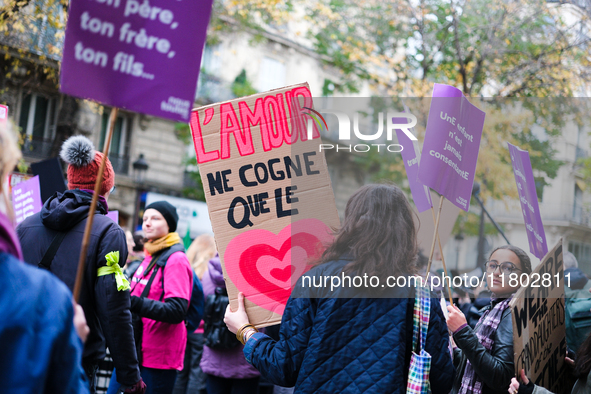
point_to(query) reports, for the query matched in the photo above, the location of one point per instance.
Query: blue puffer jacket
(349, 345)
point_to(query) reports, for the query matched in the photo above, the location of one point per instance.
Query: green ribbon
(113, 267)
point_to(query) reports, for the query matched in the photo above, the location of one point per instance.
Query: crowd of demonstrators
(160, 293)
(349, 339)
(53, 240)
(191, 380)
(227, 370)
(41, 329)
(348, 342)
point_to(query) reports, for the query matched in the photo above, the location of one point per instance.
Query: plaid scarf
(471, 383)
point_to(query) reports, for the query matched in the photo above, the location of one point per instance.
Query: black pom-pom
(78, 151)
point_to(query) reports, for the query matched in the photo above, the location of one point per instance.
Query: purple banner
(452, 140)
(114, 216)
(26, 199)
(410, 155)
(526, 187)
(141, 55)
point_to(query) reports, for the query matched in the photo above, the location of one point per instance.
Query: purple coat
(228, 363)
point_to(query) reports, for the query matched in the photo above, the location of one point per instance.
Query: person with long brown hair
(354, 339)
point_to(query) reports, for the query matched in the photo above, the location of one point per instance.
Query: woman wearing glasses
(483, 357)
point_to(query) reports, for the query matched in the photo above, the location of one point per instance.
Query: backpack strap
(164, 259)
(52, 250)
(146, 290)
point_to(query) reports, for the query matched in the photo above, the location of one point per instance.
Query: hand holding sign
(238, 318)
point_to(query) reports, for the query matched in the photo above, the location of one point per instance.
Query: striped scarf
(485, 331)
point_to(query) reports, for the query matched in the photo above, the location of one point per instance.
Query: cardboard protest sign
(539, 331)
(452, 140)
(26, 199)
(410, 156)
(3, 113)
(142, 55)
(526, 187)
(268, 192)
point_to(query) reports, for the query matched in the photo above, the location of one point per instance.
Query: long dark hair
(583, 359)
(521, 255)
(378, 233)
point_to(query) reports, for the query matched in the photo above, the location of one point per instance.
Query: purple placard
(410, 155)
(26, 199)
(526, 187)
(141, 55)
(452, 140)
(114, 216)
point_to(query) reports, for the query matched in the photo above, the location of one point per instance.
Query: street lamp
(476, 195)
(140, 167)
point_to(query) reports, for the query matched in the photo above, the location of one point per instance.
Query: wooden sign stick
(442, 257)
(435, 238)
(97, 188)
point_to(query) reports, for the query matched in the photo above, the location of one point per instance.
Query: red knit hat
(84, 163)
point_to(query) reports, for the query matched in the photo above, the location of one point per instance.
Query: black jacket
(106, 309)
(494, 368)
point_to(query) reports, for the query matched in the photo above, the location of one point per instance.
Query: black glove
(526, 388)
(138, 388)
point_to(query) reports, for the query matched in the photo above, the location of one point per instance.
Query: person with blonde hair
(202, 250)
(41, 330)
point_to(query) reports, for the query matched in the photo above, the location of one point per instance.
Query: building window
(37, 120)
(120, 142)
(582, 252)
(578, 204)
(271, 74)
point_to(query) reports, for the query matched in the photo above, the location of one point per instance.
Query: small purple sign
(410, 155)
(26, 199)
(526, 187)
(452, 140)
(141, 55)
(114, 216)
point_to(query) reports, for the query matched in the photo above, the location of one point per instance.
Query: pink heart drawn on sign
(283, 274)
(265, 271)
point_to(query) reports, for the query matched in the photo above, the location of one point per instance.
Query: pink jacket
(163, 344)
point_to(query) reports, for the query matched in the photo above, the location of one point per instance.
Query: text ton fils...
(124, 62)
